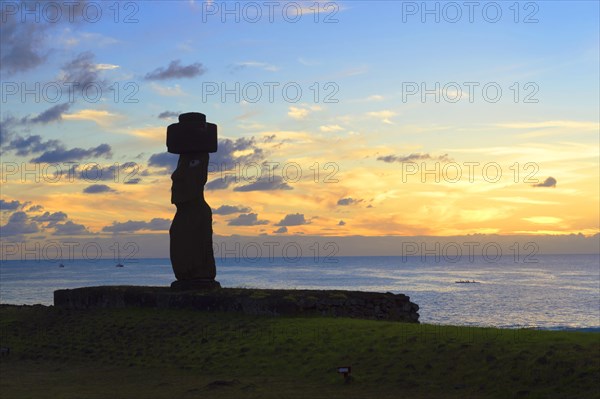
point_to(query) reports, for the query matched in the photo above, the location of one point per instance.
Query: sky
(336, 120)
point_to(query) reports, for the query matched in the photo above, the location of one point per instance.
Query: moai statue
(190, 234)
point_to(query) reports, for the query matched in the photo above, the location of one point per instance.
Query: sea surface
(555, 292)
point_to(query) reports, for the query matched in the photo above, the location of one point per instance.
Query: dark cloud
(230, 209)
(62, 154)
(19, 223)
(6, 126)
(95, 172)
(168, 115)
(348, 201)
(52, 114)
(97, 189)
(23, 43)
(265, 184)
(220, 183)
(413, 158)
(164, 160)
(78, 75)
(549, 182)
(131, 226)
(51, 218)
(226, 159)
(9, 206)
(176, 71)
(281, 230)
(24, 146)
(69, 228)
(82, 74)
(51, 150)
(246, 219)
(294, 219)
(341, 223)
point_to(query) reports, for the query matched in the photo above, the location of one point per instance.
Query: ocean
(554, 292)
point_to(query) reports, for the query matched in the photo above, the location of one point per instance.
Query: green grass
(153, 353)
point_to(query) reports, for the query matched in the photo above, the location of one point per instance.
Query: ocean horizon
(551, 292)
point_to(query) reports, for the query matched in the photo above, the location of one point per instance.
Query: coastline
(591, 329)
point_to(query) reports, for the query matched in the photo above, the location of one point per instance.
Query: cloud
(341, 223)
(176, 71)
(24, 146)
(19, 223)
(384, 115)
(156, 224)
(230, 209)
(265, 184)
(23, 43)
(567, 124)
(52, 150)
(298, 113)
(219, 184)
(101, 117)
(348, 201)
(52, 114)
(112, 172)
(269, 138)
(413, 158)
(255, 64)
(69, 228)
(543, 219)
(281, 230)
(168, 91)
(549, 182)
(168, 114)
(307, 62)
(375, 98)
(331, 128)
(7, 135)
(62, 154)
(82, 73)
(6, 132)
(97, 189)
(230, 154)
(246, 219)
(106, 66)
(164, 160)
(294, 219)
(9, 206)
(51, 218)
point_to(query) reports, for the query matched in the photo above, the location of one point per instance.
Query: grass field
(153, 353)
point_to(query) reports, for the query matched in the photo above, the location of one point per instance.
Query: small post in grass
(345, 371)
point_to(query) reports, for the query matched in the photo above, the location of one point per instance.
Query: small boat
(61, 265)
(467, 282)
(119, 265)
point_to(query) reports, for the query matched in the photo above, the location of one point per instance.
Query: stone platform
(253, 301)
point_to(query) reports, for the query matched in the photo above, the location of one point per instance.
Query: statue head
(192, 134)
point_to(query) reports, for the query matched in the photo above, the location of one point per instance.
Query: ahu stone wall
(355, 304)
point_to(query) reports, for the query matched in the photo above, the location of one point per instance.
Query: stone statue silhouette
(191, 232)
